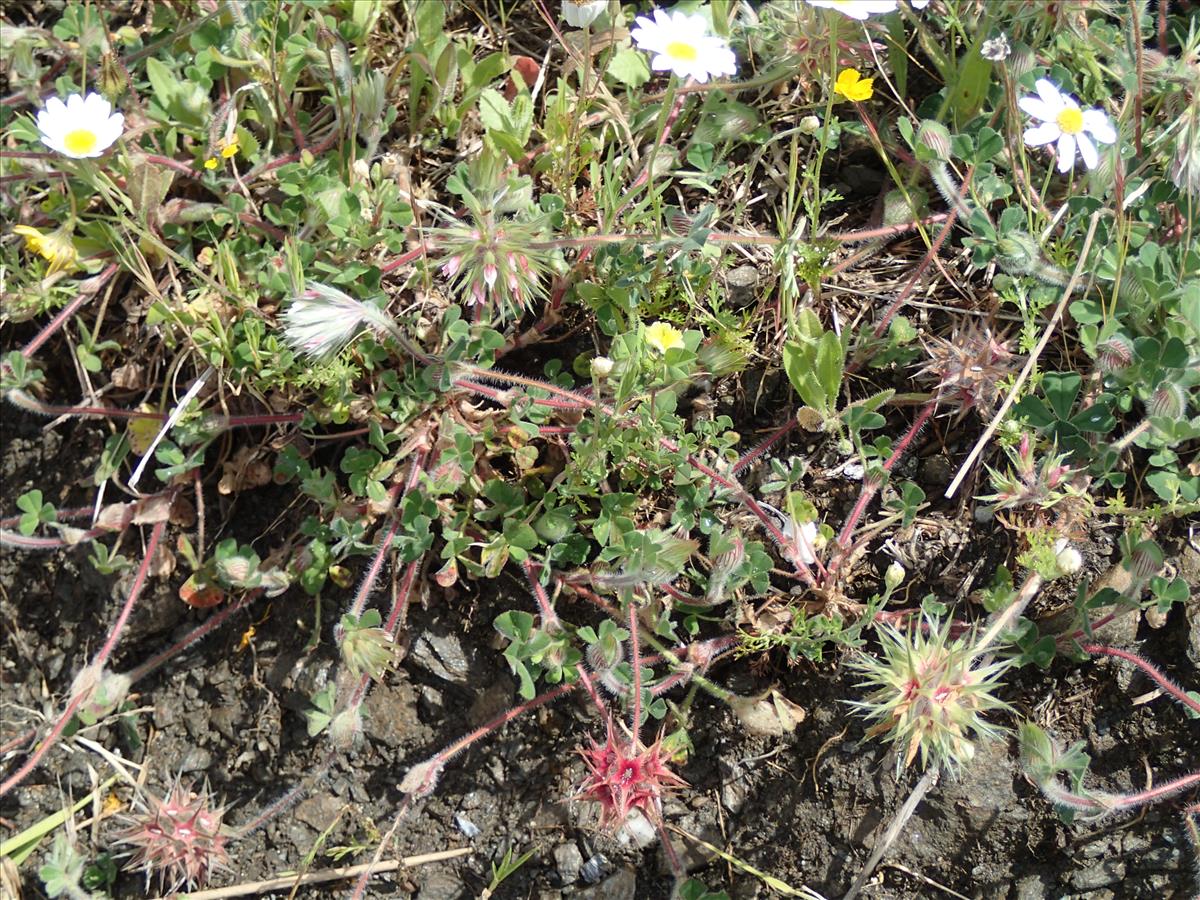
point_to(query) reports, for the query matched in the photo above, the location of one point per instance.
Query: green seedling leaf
(629, 67)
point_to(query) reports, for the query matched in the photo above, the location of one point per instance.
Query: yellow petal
(663, 337)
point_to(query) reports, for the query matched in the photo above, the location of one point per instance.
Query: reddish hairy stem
(404, 259)
(635, 653)
(1106, 802)
(396, 495)
(33, 542)
(97, 663)
(212, 623)
(550, 620)
(871, 486)
(1150, 669)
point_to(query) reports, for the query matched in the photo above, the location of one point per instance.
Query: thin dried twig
(287, 881)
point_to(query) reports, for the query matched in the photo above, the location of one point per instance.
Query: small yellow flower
(663, 337)
(57, 247)
(210, 163)
(229, 150)
(851, 85)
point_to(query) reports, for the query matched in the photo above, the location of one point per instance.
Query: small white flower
(81, 128)
(859, 9)
(681, 43)
(584, 13)
(1063, 121)
(996, 49)
(602, 366)
(802, 538)
(1067, 559)
(918, 4)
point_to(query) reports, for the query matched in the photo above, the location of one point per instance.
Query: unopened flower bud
(602, 367)
(1146, 560)
(810, 125)
(894, 576)
(933, 141)
(113, 77)
(235, 570)
(1168, 400)
(1020, 61)
(1114, 354)
(1068, 560)
(1019, 253)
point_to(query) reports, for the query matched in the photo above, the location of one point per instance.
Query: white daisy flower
(584, 13)
(859, 9)
(81, 128)
(681, 43)
(1063, 121)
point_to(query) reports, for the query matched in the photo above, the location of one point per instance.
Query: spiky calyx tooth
(179, 837)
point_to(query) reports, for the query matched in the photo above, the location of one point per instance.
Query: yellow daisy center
(1070, 120)
(80, 141)
(680, 50)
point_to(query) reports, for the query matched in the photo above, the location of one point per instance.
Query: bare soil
(805, 808)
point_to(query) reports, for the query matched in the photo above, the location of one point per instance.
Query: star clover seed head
(928, 696)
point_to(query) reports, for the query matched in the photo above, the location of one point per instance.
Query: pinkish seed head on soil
(624, 776)
(970, 368)
(177, 837)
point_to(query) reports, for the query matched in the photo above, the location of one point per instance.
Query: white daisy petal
(1066, 153)
(1037, 108)
(1087, 150)
(1045, 133)
(1051, 95)
(857, 9)
(1098, 124)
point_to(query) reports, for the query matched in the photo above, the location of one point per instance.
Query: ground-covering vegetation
(659, 352)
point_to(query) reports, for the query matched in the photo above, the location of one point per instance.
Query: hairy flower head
(177, 837)
(498, 257)
(624, 776)
(323, 320)
(970, 366)
(929, 696)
